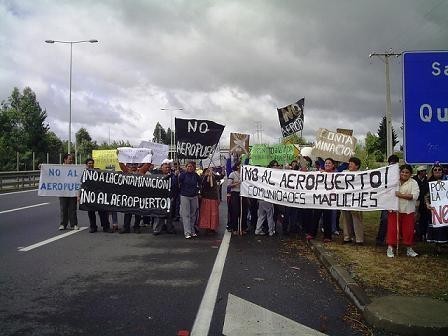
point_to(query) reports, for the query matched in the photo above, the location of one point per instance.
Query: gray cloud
(233, 62)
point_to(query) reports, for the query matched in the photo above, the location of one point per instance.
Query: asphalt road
(112, 284)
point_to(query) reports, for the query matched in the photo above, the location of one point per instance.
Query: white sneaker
(75, 227)
(390, 252)
(61, 227)
(411, 253)
(187, 236)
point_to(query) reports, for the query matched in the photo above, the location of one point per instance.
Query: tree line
(24, 130)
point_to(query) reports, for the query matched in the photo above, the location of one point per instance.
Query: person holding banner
(382, 228)
(67, 205)
(133, 168)
(209, 209)
(436, 233)
(423, 215)
(326, 214)
(238, 204)
(167, 221)
(266, 212)
(402, 222)
(352, 224)
(90, 163)
(189, 184)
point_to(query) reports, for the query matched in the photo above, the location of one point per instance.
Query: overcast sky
(233, 62)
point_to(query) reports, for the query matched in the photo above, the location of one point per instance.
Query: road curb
(398, 314)
(340, 275)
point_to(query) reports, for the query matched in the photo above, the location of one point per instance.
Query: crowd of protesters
(195, 203)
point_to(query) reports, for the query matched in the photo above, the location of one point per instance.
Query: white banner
(134, 155)
(60, 180)
(159, 151)
(363, 190)
(438, 190)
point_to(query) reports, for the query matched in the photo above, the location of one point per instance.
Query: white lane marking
(17, 192)
(23, 208)
(203, 318)
(246, 318)
(31, 247)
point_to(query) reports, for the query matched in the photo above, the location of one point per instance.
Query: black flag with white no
(291, 118)
(196, 139)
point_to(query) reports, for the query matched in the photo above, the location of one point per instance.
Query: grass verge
(425, 275)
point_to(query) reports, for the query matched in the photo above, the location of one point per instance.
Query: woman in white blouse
(407, 198)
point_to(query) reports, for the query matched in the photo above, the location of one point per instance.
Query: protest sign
(159, 151)
(196, 139)
(215, 161)
(138, 194)
(283, 153)
(60, 180)
(360, 190)
(291, 118)
(261, 154)
(438, 191)
(106, 159)
(338, 146)
(345, 131)
(239, 143)
(134, 155)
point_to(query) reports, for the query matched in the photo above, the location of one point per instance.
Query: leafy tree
(371, 143)
(23, 128)
(114, 145)
(84, 142)
(160, 135)
(382, 137)
(55, 146)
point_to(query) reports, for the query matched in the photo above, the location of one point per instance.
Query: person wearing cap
(382, 228)
(423, 215)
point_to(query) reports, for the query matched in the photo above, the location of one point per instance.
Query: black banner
(291, 117)
(196, 139)
(138, 194)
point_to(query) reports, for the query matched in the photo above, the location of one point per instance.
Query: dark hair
(89, 160)
(406, 166)
(332, 161)
(355, 160)
(273, 163)
(393, 159)
(235, 166)
(65, 156)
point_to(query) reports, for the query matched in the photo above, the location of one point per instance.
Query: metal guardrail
(19, 180)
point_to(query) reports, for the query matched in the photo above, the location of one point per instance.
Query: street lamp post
(171, 122)
(70, 94)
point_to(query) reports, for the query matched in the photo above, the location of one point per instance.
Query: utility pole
(259, 131)
(385, 58)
